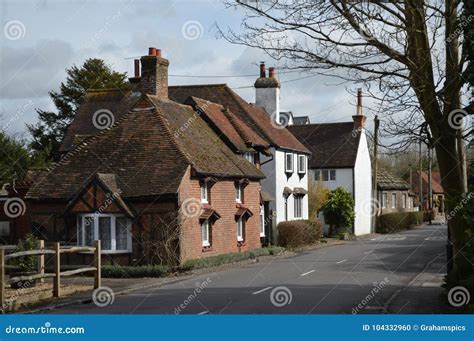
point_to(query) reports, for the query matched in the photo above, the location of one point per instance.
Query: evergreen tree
(49, 132)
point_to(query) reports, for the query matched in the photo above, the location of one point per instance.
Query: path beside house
(400, 273)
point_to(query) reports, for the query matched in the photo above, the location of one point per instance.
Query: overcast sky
(41, 38)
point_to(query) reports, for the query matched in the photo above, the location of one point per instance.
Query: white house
(252, 131)
(340, 158)
(286, 169)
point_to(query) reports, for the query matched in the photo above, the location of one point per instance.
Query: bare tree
(410, 55)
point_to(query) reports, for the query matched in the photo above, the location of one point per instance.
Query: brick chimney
(267, 92)
(154, 77)
(135, 80)
(359, 118)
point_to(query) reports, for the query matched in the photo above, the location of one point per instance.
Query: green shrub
(296, 233)
(398, 221)
(227, 258)
(117, 271)
(27, 263)
(338, 210)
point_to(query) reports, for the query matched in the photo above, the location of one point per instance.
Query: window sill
(206, 248)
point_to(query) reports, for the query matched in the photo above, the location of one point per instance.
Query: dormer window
(238, 193)
(204, 193)
(288, 162)
(301, 164)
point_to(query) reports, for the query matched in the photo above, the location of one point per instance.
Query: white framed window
(325, 175)
(394, 200)
(205, 233)
(288, 162)
(240, 230)
(298, 206)
(204, 193)
(404, 201)
(114, 231)
(262, 221)
(250, 157)
(238, 193)
(301, 164)
(384, 200)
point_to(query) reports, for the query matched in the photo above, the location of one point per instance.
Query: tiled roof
(435, 182)
(253, 116)
(227, 125)
(148, 151)
(386, 180)
(332, 145)
(117, 101)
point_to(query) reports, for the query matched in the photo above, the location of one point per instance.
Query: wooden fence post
(2, 278)
(41, 260)
(57, 271)
(97, 265)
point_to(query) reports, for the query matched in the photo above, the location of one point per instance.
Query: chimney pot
(271, 72)
(152, 51)
(262, 70)
(158, 52)
(137, 67)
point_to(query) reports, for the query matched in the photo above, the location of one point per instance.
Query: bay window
(238, 193)
(114, 231)
(204, 193)
(298, 206)
(301, 164)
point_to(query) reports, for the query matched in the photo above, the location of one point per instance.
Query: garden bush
(299, 232)
(398, 221)
(117, 271)
(227, 258)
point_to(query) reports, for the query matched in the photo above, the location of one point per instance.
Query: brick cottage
(159, 185)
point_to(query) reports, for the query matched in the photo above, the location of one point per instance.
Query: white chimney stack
(267, 92)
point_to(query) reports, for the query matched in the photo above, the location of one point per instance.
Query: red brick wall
(224, 230)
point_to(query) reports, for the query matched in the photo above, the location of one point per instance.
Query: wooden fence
(57, 274)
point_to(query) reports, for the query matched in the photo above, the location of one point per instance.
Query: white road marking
(341, 261)
(203, 312)
(307, 273)
(260, 291)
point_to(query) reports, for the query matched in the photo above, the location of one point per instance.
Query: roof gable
(332, 145)
(254, 117)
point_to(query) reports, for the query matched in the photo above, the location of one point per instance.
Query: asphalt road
(396, 273)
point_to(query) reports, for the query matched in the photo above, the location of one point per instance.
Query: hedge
(296, 233)
(398, 221)
(140, 271)
(117, 271)
(227, 258)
